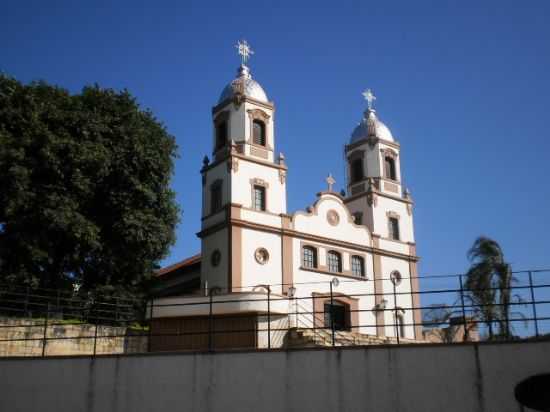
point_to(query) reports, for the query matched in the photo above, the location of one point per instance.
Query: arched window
(309, 257)
(334, 262)
(258, 131)
(216, 196)
(400, 325)
(357, 170)
(389, 168)
(221, 135)
(358, 266)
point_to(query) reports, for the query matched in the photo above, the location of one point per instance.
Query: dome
(371, 126)
(245, 84)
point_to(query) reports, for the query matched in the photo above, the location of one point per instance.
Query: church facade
(348, 262)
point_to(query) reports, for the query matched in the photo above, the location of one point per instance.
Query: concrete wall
(470, 377)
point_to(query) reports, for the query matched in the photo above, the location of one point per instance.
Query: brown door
(195, 333)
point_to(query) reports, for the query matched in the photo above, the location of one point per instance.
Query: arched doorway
(344, 309)
(338, 313)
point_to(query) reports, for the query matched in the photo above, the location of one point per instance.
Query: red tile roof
(186, 262)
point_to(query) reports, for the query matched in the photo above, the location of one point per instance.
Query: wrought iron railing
(40, 322)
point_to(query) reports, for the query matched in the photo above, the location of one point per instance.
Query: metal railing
(39, 322)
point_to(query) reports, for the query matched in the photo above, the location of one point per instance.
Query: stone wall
(25, 337)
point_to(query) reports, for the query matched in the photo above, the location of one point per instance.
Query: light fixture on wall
(291, 292)
(382, 305)
(335, 282)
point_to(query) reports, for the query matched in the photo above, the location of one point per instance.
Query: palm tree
(488, 284)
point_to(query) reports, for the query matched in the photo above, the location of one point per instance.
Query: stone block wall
(25, 337)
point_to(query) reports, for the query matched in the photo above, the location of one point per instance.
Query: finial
(330, 182)
(369, 97)
(244, 51)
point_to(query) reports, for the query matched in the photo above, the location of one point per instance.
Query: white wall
(216, 276)
(408, 378)
(402, 295)
(276, 335)
(316, 223)
(385, 205)
(216, 173)
(254, 273)
(242, 188)
(307, 283)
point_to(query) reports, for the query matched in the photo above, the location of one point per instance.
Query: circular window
(216, 257)
(332, 217)
(396, 278)
(261, 255)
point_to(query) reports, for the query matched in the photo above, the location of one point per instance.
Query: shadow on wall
(534, 392)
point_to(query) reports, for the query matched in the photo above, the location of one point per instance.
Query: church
(345, 265)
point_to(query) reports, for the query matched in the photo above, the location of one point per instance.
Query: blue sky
(464, 87)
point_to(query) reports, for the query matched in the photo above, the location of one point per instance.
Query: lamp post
(335, 282)
(291, 294)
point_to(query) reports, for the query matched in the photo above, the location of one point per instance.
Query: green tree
(84, 189)
(488, 283)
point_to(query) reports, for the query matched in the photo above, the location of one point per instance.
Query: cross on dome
(330, 182)
(369, 97)
(244, 51)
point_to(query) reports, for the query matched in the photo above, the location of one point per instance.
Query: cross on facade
(330, 182)
(244, 51)
(369, 97)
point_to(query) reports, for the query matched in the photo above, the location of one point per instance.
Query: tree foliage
(84, 188)
(488, 284)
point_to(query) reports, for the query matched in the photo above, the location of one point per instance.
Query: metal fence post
(210, 322)
(45, 329)
(331, 315)
(296, 310)
(507, 313)
(533, 304)
(27, 302)
(58, 301)
(491, 335)
(466, 330)
(150, 332)
(95, 334)
(395, 313)
(268, 317)
(116, 311)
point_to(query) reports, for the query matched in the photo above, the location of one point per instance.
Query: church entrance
(337, 313)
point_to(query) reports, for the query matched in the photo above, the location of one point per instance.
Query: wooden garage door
(192, 333)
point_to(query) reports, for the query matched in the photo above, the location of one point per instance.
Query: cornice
(307, 236)
(335, 274)
(372, 141)
(326, 192)
(378, 193)
(240, 99)
(230, 156)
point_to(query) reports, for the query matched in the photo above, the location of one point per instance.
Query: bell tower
(243, 180)
(375, 194)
